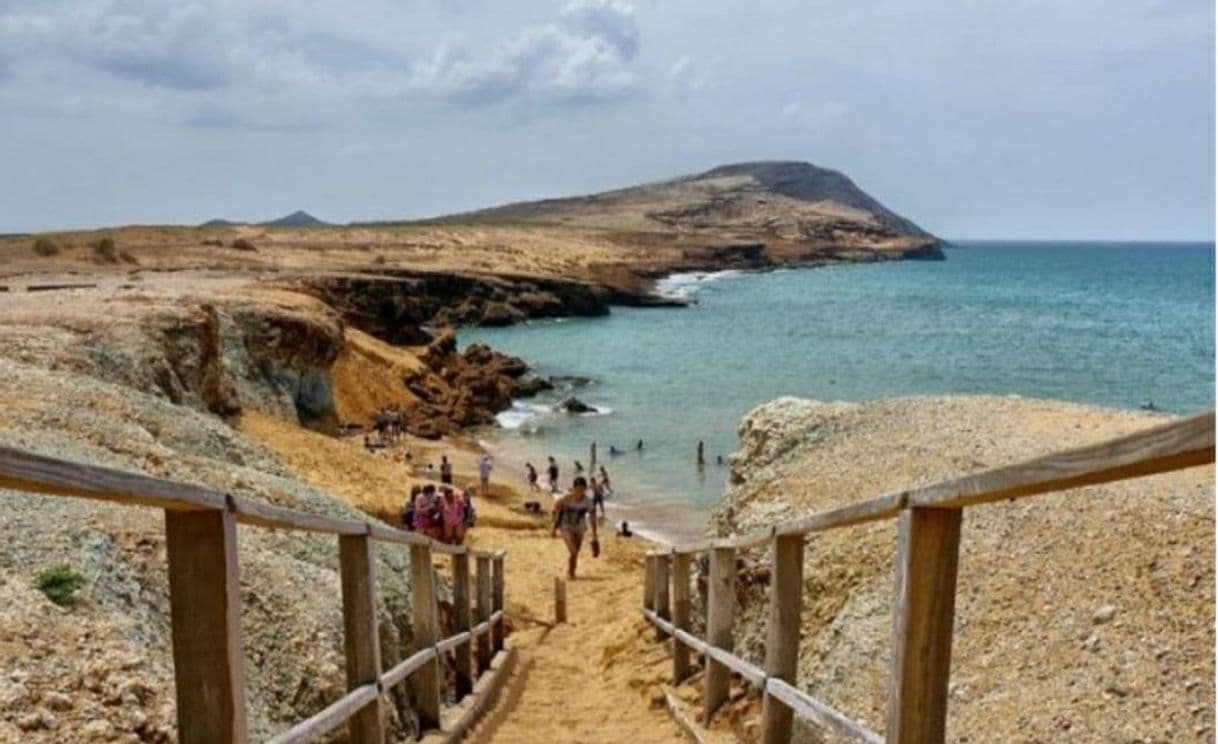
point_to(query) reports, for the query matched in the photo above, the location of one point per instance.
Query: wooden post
(649, 582)
(483, 582)
(361, 641)
(205, 616)
(462, 656)
(782, 633)
(928, 549)
(661, 590)
(680, 615)
(425, 682)
(560, 600)
(721, 607)
(497, 603)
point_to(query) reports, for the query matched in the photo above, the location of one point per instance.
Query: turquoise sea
(1113, 324)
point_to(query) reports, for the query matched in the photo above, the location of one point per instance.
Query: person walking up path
(573, 515)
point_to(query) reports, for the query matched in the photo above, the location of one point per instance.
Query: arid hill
(781, 201)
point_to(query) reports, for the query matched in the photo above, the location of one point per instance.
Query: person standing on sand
(598, 497)
(484, 473)
(446, 471)
(572, 515)
(452, 512)
(530, 474)
(553, 473)
(605, 481)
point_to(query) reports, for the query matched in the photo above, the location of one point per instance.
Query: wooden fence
(205, 604)
(928, 523)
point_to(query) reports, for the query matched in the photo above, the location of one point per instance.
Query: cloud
(584, 57)
(213, 56)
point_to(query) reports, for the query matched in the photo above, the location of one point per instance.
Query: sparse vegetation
(106, 249)
(128, 258)
(59, 583)
(44, 246)
(242, 244)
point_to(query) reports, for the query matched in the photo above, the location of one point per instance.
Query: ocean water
(1114, 324)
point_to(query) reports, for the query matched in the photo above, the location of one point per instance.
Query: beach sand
(596, 678)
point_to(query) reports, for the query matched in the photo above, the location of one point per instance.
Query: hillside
(1084, 615)
(784, 201)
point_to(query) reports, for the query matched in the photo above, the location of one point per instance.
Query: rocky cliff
(1083, 616)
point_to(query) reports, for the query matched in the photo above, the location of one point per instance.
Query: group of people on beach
(440, 512)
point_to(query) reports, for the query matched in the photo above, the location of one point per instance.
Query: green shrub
(106, 249)
(59, 583)
(45, 246)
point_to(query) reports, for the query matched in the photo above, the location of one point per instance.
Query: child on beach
(531, 476)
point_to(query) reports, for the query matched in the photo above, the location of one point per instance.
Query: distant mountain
(299, 218)
(765, 200)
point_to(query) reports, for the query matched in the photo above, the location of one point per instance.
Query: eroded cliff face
(1085, 615)
(136, 382)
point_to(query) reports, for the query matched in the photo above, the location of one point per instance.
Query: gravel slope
(1081, 616)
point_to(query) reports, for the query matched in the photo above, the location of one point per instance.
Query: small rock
(1103, 614)
(14, 696)
(1092, 643)
(1118, 689)
(38, 721)
(99, 729)
(57, 701)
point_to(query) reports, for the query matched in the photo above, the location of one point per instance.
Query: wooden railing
(205, 604)
(928, 520)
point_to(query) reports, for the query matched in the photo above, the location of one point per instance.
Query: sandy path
(585, 680)
(593, 679)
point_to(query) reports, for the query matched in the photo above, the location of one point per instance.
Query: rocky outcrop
(1040, 581)
(399, 306)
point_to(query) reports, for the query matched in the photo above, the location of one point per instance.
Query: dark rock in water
(527, 387)
(495, 314)
(575, 405)
(572, 381)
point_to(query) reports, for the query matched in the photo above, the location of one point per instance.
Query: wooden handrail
(929, 522)
(205, 601)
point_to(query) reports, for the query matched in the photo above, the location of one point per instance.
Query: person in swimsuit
(553, 473)
(605, 481)
(446, 471)
(573, 515)
(598, 497)
(425, 511)
(452, 510)
(531, 475)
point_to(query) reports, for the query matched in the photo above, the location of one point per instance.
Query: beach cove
(1083, 322)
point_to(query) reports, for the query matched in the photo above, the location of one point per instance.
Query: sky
(1016, 119)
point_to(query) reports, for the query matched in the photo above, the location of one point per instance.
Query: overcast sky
(1000, 119)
